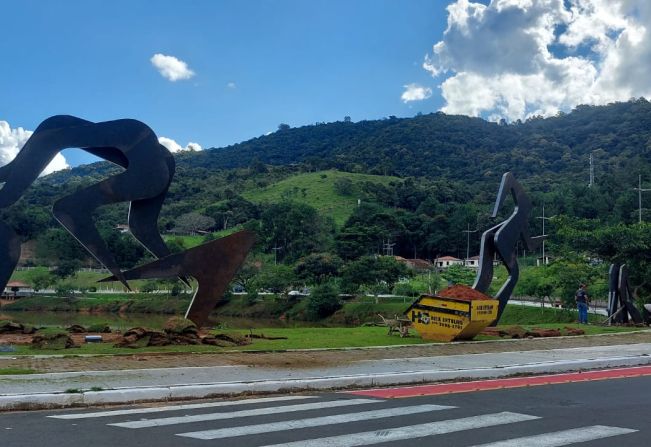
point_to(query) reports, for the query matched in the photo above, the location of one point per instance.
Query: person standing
(582, 301)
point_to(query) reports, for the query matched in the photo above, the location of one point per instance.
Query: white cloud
(173, 146)
(415, 92)
(231, 85)
(518, 58)
(171, 68)
(12, 140)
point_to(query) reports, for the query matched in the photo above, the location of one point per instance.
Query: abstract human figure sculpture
(620, 300)
(501, 240)
(148, 171)
(149, 168)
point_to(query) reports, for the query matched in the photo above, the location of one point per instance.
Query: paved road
(598, 413)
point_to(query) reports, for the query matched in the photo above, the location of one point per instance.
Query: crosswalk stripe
(243, 413)
(565, 437)
(412, 431)
(311, 422)
(100, 414)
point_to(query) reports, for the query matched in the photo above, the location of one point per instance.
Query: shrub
(323, 301)
(405, 289)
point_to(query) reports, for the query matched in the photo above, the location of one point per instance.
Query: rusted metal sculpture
(148, 171)
(620, 299)
(212, 264)
(501, 240)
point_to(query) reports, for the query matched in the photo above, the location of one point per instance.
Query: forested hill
(456, 148)
(459, 147)
(438, 175)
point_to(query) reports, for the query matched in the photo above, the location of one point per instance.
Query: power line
(543, 218)
(468, 231)
(388, 247)
(640, 190)
(275, 249)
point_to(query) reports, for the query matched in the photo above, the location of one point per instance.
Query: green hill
(332, 193)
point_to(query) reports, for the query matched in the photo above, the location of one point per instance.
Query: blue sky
(252, 64)
(295, 62)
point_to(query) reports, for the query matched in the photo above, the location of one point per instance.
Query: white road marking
(412, 431)
(244, 413)
(177, 407)
(565, 437)
(312, 422)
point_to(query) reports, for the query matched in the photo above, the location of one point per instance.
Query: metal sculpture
(148, 171)
(213, 265)
(501, 240)
(620, 299)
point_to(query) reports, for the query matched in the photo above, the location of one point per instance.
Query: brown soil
(461, 292)
(311, 359)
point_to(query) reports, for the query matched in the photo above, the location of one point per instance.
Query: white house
(447, 261)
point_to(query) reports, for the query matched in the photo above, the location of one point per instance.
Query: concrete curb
(179, 392)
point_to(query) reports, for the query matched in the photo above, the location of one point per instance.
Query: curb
(9, 402)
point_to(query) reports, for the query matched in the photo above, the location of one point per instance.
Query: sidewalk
(132, 385)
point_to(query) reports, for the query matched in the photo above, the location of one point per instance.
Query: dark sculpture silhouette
(148, 171)
(620, 299)
(149, 168)
(501, 240)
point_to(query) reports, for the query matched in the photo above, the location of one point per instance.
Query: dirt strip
(310, 359)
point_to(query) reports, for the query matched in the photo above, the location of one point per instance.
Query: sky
(210, 73)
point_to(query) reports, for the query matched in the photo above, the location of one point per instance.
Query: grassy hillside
(319, 190)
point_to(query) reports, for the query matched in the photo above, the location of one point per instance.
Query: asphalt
(55, 390)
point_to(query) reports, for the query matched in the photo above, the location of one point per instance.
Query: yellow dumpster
(446, 318)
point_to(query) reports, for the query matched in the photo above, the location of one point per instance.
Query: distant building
(17, 289)
(448, 261)
(122, 228)
(472, 262)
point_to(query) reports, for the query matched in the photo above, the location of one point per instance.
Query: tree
(283, 126)
(57, 245)
(317, 268)
(619, 244)
(67, 268)
(459, 274)
(40, 279)
(193, 222)
(371, 271)
(323, 301)
(246, 274)
(296, 227)
(274, 278)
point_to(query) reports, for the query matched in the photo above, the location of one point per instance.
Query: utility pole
(468, 231)
(275, 249)
(388, 247)
(640, 190)
(543, 218)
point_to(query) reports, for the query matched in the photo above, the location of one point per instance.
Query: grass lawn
(16, 371)
(317, 189)
(297, 338)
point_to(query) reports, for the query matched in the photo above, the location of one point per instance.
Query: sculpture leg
(504, 294)
(485, 272)
(75, 211)
(143, 218)
(143, 224)
(10, 248)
